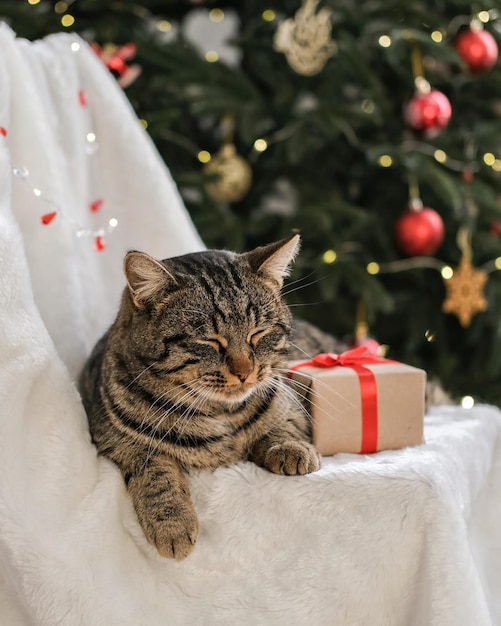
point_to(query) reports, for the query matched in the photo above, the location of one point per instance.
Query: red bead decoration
(419, 232)
(478, 49)
(467, 176)
(96, 205)
(428, 113)
(115, 58)
(48, 217)
(3, 131)
(82, 98)
(496, 229)
(99, 243)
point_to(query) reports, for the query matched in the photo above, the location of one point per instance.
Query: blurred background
(372, 128)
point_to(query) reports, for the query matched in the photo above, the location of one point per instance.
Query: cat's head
(212, 321)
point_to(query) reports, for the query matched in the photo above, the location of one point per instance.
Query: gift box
(361, 403)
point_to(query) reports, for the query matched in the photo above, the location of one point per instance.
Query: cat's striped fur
(190, 375)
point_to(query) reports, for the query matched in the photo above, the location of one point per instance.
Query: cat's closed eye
(255, 335)
(218, 343)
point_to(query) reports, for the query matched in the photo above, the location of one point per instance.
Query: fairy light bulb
(268, 15)
(20, 172)
(467, 402)
(211, 56)
(204, 156)
(67, 20)
(216, 15)
(90, 144)
(329, 256)
(260, 145)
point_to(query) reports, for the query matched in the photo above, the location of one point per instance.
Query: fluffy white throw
(403, 538)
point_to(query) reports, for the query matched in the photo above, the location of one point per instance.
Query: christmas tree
(371, 128)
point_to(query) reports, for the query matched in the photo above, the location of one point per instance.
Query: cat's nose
(241, 367)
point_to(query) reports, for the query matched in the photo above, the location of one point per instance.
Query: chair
(401, 538)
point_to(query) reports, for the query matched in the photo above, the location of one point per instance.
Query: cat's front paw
(174, 533)
(292, 458)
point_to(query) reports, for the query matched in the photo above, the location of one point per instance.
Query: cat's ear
(272, 261)
(145, 277)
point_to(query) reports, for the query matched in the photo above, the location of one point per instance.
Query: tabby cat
(191, 375)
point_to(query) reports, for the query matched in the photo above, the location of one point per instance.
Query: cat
(191, 375)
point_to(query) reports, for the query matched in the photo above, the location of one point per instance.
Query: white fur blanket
(403, 538)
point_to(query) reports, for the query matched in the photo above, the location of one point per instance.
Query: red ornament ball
(478, 49)
(428, 113)
(496, 229)
(419, 232)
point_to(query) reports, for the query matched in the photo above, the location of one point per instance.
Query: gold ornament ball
(231, 175)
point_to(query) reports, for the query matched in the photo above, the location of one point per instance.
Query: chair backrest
(87, 185)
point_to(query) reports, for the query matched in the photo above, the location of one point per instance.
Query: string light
(268, 15)
(260, 145)
(467, 402)
(373, 268)
(211, 56)
(368, 106)
(440, 156)
(447, 272)
(489, 158)
(164, 26)
(385, 160)
(216, 15)
(329, 256)
(67, 20)
(430, 335)
(22, 173)
(384, 41)
(61, 7)
(437, 36)
(203, 156)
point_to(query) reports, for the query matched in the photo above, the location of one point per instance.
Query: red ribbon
(356, 359)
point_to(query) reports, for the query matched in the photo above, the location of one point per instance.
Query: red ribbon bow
(357, 359)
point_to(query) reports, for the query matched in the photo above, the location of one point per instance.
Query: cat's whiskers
(303, 304)
(188, 412)
(306, 354)
(139, 375)
(286, 292)
(321, 383)
(183, 392)
(292, 396)
(299, 280)
(192, 411)
(291, 383)
(164, 398)
(178, 399)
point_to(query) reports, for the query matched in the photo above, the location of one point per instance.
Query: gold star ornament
(465, 292)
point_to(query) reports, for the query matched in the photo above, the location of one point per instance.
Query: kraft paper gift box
(361, 403)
